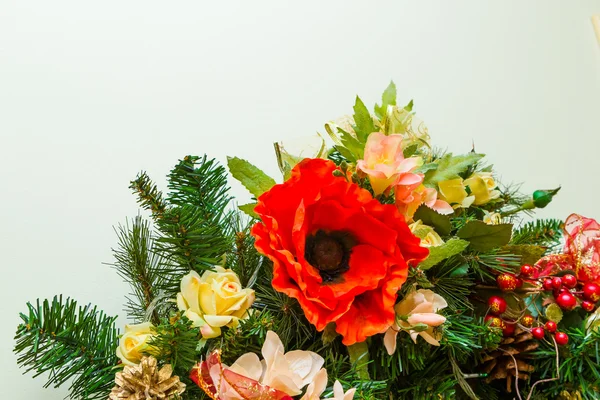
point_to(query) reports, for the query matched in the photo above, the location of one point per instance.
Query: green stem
(359, 357)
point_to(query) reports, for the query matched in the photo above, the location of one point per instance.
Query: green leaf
(363, 120)
(387, 98)
(460, 271)
(410, 150)
(439, 253)
(425, 167)
(441, 223)
(530, 254)
(409, 106)
(249, 210)
(449, 167)
(253, 179)
(554, 313)
(484, 237)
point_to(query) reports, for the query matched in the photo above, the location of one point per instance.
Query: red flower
(342, 254)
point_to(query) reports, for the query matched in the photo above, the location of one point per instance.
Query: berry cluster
(567, 291)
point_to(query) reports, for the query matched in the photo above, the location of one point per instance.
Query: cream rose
(134, 343)
(429, 237)
(214, 300)
(454, 192)
(483, 187)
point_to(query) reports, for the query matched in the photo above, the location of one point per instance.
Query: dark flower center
(329, 252)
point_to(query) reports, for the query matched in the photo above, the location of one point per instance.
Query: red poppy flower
(342, 254)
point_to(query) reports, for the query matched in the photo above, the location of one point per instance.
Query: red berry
(547, 284)
(509, 329)
(550, 326)
(527, 270)
(519, 282)
(591, 292)
(556, 282)
(538, 333)
(527, 320)
(497, 305)
(588, 305)
(569, 281)
(566, 301)
(507, 282)
(561, 338)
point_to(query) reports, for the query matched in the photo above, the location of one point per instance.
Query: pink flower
(410, 197)
(417, 308)
(385, 164)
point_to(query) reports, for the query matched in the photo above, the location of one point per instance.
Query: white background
(93, 92)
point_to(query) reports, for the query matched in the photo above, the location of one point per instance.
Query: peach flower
(385, 165)
(410, 197)
(418, 308)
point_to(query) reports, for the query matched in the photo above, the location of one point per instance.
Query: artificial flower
(385, 165)
(135, 343)
(483, 187)
(214, 300)
(410, 197)
(341, 253)
(319, 384)
(429, 237)
(282, 372)
(455, 193)
(417, 308)
(492, 218)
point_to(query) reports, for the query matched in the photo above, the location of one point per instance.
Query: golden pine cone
(145, 382)
(500, 363)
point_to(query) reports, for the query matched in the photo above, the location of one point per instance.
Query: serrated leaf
(249, 210)
(253, 179)
(439, 222)
(530, 254)
(449, 167)
(484, 237)
(363, 120)
(410, 150)
(439, 253)
(459, 271)
(425, 167)
(554, 313)
(387, 98)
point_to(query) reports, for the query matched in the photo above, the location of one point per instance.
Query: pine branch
(149, 197)
(69, 342)
(137, 262)
(543, 232)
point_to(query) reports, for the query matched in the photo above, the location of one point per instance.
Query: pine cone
(500, 363)
(145, 382)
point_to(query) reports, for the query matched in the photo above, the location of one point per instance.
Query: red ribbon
(230, 383)
(581, 252)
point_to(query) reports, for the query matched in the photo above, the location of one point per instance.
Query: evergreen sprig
(69, 342)
(542, 232)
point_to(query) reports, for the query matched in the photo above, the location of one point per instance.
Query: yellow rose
(214, 300)
(429, 237)
(483, 187)
(134, 343)
(454, 192)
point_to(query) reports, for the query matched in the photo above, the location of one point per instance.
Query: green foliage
(484, 237)
(439, 253)
(71, 343)
(190, 221)
(388, 98)
(363, 120)
(253, 179)
(428, 216)
(450, 167)
(248, 209)
(542, 232)
(176, 342)
(137, 262)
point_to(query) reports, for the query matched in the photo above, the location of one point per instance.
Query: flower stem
(359, 357)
